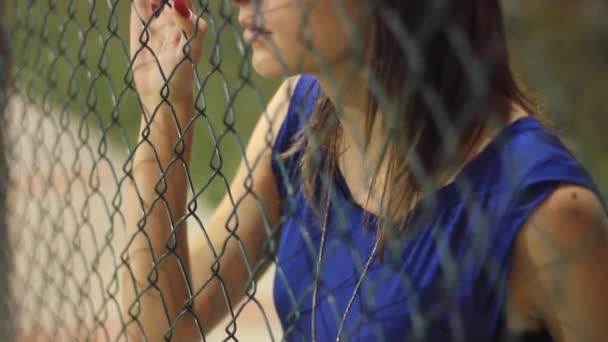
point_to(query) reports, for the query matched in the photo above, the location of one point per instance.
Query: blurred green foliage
(73, 55)
(560, 49)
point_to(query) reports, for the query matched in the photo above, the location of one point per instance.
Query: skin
(569, 215)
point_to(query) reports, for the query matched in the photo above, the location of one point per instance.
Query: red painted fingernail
(154, 9)
(181, 8)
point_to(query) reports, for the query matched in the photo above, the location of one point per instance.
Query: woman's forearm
(156, 281)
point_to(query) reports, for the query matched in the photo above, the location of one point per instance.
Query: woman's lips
(252, 34)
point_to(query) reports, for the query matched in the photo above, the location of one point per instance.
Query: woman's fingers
(154, 23)
(182, 15)
(189, 23)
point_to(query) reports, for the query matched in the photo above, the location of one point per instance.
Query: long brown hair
(440, 64)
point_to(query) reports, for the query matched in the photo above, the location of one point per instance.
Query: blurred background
(73, 122)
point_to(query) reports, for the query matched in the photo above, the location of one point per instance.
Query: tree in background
(561, 48)
(6, 326)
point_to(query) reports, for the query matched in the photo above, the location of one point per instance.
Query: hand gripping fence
(76, 229)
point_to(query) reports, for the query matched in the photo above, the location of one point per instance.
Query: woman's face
(296, 36)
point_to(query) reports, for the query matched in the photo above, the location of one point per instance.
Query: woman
(405, 159)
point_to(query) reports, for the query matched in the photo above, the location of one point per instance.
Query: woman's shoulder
(532, 152)
(519, 170)
(532, 168)
(303, 92)
(525, 153)
(304, 96)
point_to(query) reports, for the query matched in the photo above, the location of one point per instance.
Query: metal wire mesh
(72, 136)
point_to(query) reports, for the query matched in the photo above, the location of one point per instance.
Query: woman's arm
(254, 188)
(562, 252)
(259, 202)
(155, 281)
(162, 272)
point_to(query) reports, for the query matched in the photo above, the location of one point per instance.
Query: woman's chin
(265, 64)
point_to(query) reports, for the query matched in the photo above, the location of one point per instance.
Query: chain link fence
(71, 133)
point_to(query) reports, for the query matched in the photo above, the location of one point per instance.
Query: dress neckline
(452, 187)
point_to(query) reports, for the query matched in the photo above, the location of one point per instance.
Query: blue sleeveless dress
(445, 280)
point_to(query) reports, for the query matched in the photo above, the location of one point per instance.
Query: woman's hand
(165, 44)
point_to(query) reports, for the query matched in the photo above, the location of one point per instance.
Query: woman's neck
(347, 89)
